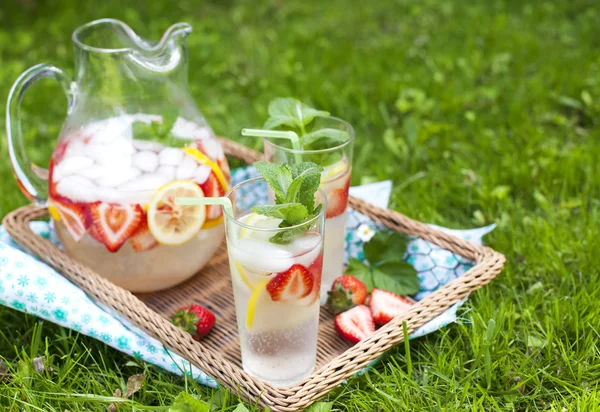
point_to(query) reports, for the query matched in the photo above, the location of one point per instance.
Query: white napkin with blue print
(31, 286)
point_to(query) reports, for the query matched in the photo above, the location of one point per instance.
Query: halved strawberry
(212, 188)
(337, 201)
(355, 324)
(346, 292)
(115, 223)
(316, 269)
(295, 283)
(224, 166)
(386, 305)
(72, 215)
(142, 238)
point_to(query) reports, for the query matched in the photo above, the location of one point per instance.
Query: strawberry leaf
(361, 272)
(385, 246)
(396, 276)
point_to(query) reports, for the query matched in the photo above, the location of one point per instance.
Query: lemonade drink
(335, 183)
(102, 180)
(276, 289)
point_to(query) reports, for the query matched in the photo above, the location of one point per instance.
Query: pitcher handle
(30, 177)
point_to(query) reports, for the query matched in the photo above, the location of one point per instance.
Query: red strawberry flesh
(72, 215)
(346, 292)
(115, 223)
(355, 324)
(386, 305)
(212, 188)
(295, 283)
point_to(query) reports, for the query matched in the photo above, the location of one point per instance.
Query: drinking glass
(335, 182)
(276, 287)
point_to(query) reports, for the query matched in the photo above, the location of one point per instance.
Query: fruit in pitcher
(195, 319)
(72, 215)
(346, 292)
(171, 224)
(142, 238)
(212, 188)
(295, 283)
(114, 224)
(386, 305)
(355, 324)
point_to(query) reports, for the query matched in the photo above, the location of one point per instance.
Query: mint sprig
(158, 131)
(294, 188)
(385, 268)
(290, 114)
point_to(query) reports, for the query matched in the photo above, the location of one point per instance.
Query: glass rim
(141, 45)
(277, 229)
(317, 151)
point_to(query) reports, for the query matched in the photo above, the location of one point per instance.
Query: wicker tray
(218, 355)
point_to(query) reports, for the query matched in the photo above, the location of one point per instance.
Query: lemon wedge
(253, 301)
(334, 170)
(171, 224)
(203, 159)
(242, 273)
(54, 212)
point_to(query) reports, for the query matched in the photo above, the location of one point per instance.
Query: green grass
(482, 111)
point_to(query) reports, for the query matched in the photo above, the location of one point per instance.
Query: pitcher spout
(111, 36)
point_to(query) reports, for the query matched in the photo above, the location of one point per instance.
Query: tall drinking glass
(276, 287)
(335, 182)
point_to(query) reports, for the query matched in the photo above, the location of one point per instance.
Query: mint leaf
(335, 137)
(291, 213)
(361, 271)
(187, 403)
(169, 117)
(286, 236)
(292, 113)
(396, 276)
(307, 178)
(385, 246)
(278, 177)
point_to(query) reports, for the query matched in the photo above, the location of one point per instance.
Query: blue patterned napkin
(29, 285)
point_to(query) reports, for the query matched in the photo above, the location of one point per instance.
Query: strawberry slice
(224, 166)
(295, 283)
(72, 215)
(337, 201)
(316, 269)
(212, 188)
(386, 305)
(355, 324)
(115, 223)
(142, 239)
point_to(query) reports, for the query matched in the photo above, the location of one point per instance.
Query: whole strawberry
(346, 292)
(194, 319)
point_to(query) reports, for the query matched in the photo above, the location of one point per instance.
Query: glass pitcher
(133, 139)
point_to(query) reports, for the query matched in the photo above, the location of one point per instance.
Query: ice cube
(147, 145)
(167, 171)
(122, 146)
(305, 248)
(72, 165)
(93, 172)
(186, 168)
(106, 155)
(75, 147)
(146, 182)
(170, 156)
(211, 148)
(261, 256)
(185, 129)
(201, 174)
(77, 188)
(117, 176)
(106, 131)
(146, 161)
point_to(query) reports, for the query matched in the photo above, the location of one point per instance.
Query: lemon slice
(171, 224)
(253, 301)
(242, 273)
(250, 221)
(203, 159)
(334, 170)
(54, 212)
(209, 224)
